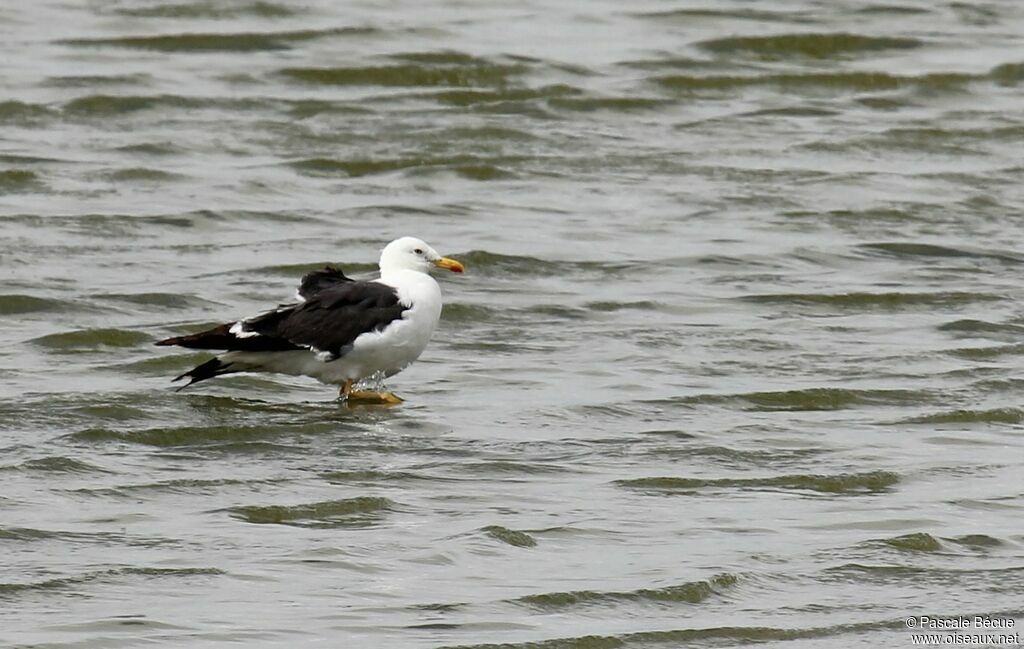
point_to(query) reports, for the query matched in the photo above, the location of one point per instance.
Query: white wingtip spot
(238, 330)
(325, 357)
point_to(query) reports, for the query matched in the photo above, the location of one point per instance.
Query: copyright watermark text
(962, 630)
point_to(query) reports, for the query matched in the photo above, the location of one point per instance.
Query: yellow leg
(345, 389)
(367, 396)
(347, 394)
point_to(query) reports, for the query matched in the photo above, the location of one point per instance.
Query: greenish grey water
(736, 360)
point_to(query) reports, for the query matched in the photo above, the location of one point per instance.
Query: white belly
(384, 352)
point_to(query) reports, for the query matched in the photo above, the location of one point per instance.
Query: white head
(410, 253)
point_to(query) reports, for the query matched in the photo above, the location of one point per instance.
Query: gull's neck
(400, 273)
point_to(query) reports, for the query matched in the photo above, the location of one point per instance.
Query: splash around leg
(376, 398)
(368, 397)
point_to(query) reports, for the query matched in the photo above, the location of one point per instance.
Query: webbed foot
(370, 397)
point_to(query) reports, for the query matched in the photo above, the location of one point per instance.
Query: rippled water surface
(736, 359)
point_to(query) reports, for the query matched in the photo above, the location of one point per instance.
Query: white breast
(402, 341)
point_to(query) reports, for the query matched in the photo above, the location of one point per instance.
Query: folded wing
(336, 311)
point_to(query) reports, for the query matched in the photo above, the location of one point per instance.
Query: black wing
(319, 280)
(328, 322)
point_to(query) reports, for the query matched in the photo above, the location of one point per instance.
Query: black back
(331, 319)
(328, 321)
(318, 280)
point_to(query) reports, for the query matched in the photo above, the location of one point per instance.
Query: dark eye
(418, 251)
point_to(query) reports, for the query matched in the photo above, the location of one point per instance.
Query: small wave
(104, 105)
(213, 9)
(187, 486)
(897, 10)
(709, 636)
(792, 111)
(8, 589)
(689, 15)
(612, 306)
(930, 139)
(510, 468)
(163, 301)
(914, 249)
(98, 106)
(768, 458)
(993, 416)
(1008, 74)
(973, 327)
(987, 353)
(878, 216)
(217, 42)
(978, 541)
(842, 483)
(244, 217)
(678, 63)
(53, 411)
(485, 262)
(21, 113)
(491, 347)
(1014, 386)
(11, 158)
(370, 476)
(160, 366)
(481, 172)
(463, 313)
(815, 46)
(556, 311)
(194, 435)
(142, 175)
(411, 75)
(92, 339)
(916, 542)
(613, 104)
(693, 592)
(489, 263)
(153, 149)
(1009, 579)
(26, 534)
(19, 304)
(502, 95)
(331, 513)
(13, 181)
(487, 133)
(57, 464)
(440, 57)
(809, 399)
(887, 301)
(832, 81)
(883, 572)
(467, 166)
(94, 80)
(510, 537)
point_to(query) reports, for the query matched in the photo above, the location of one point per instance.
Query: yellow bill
(450, 264)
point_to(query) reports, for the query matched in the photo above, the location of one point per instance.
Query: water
(735, 361)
